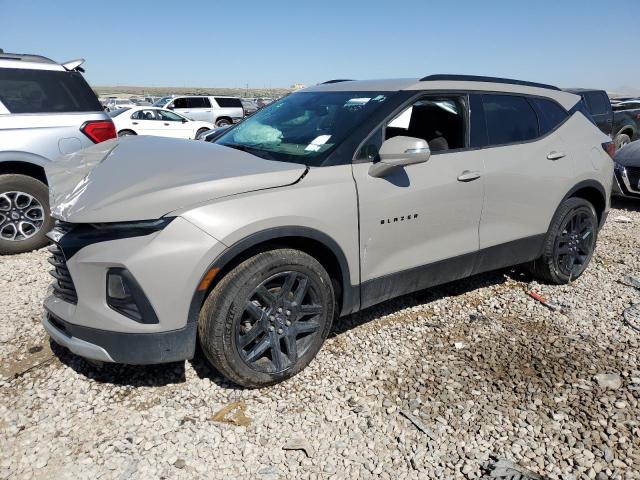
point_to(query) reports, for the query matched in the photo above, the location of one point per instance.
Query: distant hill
(128, 91)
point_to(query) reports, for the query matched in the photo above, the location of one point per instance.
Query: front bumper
(119, 347)
(167, 265)
(622, 186)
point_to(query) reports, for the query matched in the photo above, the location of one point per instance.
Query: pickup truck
(622, 126)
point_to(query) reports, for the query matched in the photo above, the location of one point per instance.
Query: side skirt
(492, 258)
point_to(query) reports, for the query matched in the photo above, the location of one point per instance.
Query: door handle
(135, 123)
(166, 124)
(555, 155)
(468, 176)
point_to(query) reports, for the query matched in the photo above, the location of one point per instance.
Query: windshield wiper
(253, 151)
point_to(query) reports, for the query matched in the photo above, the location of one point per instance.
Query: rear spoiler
(72, 65)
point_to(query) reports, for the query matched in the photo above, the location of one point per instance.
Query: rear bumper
(119, 347)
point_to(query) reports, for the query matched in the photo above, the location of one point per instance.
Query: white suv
(218, 110)
(46, 110)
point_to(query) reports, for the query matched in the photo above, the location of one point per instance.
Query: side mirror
(400, 152)
(170, 107)
(184, 120)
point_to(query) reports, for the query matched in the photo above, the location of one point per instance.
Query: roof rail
(24, 57)
(476, 78)
(337, 80)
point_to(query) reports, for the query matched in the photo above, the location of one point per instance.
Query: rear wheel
(267, 318)
(223, 122)
(24, 214)
(569, 243)
(125, 133)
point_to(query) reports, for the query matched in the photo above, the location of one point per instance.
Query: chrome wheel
(21, 216)
(279, 322)
(575, 244)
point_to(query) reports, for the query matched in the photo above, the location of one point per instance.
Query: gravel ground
(483, 370)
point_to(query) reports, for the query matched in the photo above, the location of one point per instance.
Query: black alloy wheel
(279, 322)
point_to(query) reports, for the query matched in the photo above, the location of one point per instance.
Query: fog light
(125, 296)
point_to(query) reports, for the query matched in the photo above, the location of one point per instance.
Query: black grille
(634, 176)
(63, 286)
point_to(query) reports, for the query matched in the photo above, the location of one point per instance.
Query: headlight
(147, 225)
(125, 296)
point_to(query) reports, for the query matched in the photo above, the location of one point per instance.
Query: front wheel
(200, 132)
(621, 140)
(267, 318)
(24, 214)
(569, 243)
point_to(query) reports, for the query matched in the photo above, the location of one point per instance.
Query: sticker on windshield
(317, 142)
(357, 101)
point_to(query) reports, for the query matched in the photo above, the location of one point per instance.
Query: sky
(569, 43)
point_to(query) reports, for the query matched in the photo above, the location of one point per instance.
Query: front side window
(509, 118)
(440, 120)
(179, 103)
(46, 91)
(303, 127)
(168, 116)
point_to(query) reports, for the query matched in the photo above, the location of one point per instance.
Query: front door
(419, 224)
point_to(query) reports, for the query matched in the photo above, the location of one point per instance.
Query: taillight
(610, 148)
(99, 130)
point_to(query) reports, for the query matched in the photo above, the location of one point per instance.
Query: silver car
(328, 201)
(46, 110)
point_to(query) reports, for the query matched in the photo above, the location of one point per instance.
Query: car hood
(629, 155)
(143, 178)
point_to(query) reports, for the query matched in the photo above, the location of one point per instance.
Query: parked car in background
(621, 126)
(156, 121)
(218, 110)
(249, 105)
(626, 105)
(330, 200)
(46, 109)
(116, 103)
(211, 135)
(627, 171)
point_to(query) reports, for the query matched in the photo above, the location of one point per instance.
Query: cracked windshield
(303, 127)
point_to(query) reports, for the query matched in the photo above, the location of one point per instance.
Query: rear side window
(198, 102)
(509, 119)
(597, 102)
(550, 113)
(46, 91)
(229, 102)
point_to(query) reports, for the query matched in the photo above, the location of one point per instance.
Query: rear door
(527, 170)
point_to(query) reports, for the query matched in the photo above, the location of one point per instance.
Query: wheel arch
(21, 165)
(314, 242)
(595, 193)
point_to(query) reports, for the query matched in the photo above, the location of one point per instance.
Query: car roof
(449, 82)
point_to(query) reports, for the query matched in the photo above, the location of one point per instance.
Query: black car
(627, 171)
(623, 126)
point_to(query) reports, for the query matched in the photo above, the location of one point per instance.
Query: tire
(621, 140)
(27, 199)
(223, 122)
(575, 219)
(126, 133)
(200, 130)
(225, 321)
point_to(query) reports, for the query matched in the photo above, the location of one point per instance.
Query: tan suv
(327, 201)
